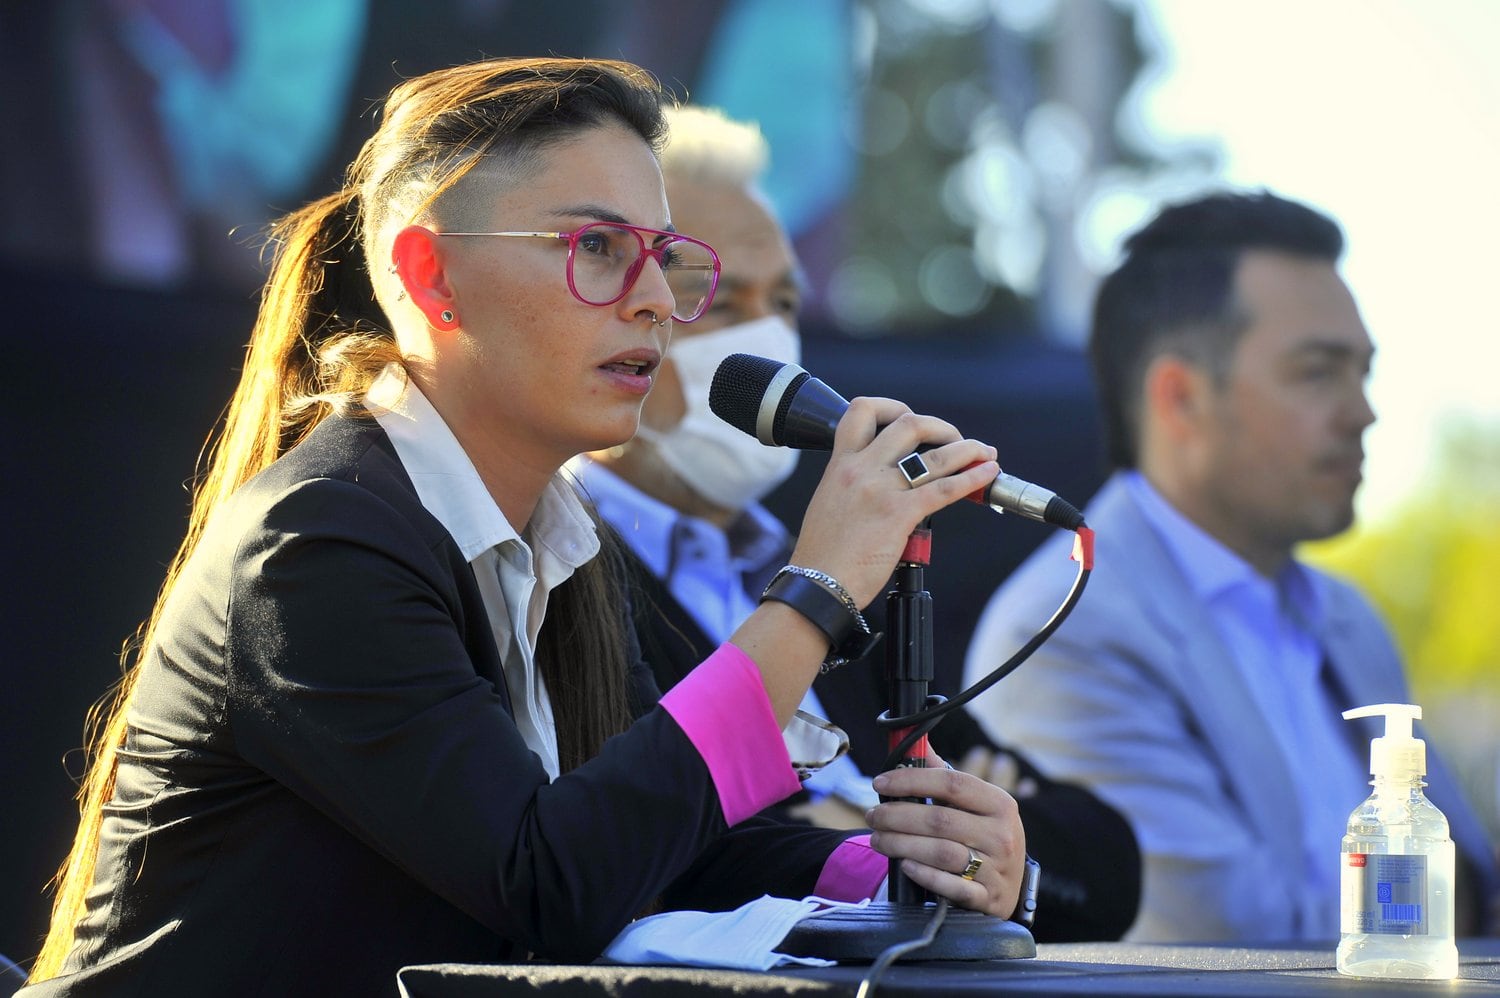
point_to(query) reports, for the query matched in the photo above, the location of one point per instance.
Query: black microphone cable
(923, 721)
(896, 951)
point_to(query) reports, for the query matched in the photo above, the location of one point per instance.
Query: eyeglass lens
(607, 260)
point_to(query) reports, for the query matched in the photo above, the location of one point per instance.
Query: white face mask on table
(724, 465)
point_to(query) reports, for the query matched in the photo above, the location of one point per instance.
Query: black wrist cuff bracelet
(847, 641)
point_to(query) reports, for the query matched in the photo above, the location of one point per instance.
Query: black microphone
(782, 405)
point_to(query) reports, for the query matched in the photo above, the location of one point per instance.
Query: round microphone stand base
(860, 935)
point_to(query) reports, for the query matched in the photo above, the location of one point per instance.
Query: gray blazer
(1135, 697)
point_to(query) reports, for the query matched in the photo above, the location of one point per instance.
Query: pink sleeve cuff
(853, 872)
(723, 709)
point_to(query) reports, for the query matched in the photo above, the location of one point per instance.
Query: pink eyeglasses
(605, 259)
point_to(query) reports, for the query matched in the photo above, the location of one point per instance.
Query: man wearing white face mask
(725, 467)
(684, 496)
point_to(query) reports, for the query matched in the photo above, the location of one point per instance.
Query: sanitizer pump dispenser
(1396, 880)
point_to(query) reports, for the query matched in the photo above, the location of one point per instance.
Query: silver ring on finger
(914, 469)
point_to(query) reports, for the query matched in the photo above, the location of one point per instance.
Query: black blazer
(322, 781)
(1091, 866)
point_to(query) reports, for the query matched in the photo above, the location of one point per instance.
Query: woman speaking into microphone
(389, 707)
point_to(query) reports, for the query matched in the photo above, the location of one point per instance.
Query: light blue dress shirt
(1270, 627)
(717, 575)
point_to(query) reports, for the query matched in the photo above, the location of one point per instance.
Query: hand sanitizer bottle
(1396, 881)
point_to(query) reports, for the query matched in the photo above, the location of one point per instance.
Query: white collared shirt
(1270, 627)
(516, 571)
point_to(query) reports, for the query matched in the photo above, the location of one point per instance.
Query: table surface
(1059, 969)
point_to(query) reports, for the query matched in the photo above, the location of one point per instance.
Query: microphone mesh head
(739, 385)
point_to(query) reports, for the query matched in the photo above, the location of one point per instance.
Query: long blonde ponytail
(320, 336)
(311, 320)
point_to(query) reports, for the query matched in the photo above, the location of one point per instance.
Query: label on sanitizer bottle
(1385, 895)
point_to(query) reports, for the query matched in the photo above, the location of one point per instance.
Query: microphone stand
(863, 934)
(908, 674)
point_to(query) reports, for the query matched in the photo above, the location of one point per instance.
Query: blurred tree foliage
(988, 132)
(1430, 566)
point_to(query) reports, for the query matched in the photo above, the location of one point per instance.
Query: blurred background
(956, 174)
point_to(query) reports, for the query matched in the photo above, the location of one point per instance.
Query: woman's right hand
(857, 525)
(863, 511)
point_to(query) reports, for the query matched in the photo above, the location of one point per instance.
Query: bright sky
(1386, 115)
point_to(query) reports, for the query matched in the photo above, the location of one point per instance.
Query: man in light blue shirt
(1198, 686)
(684, 497)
